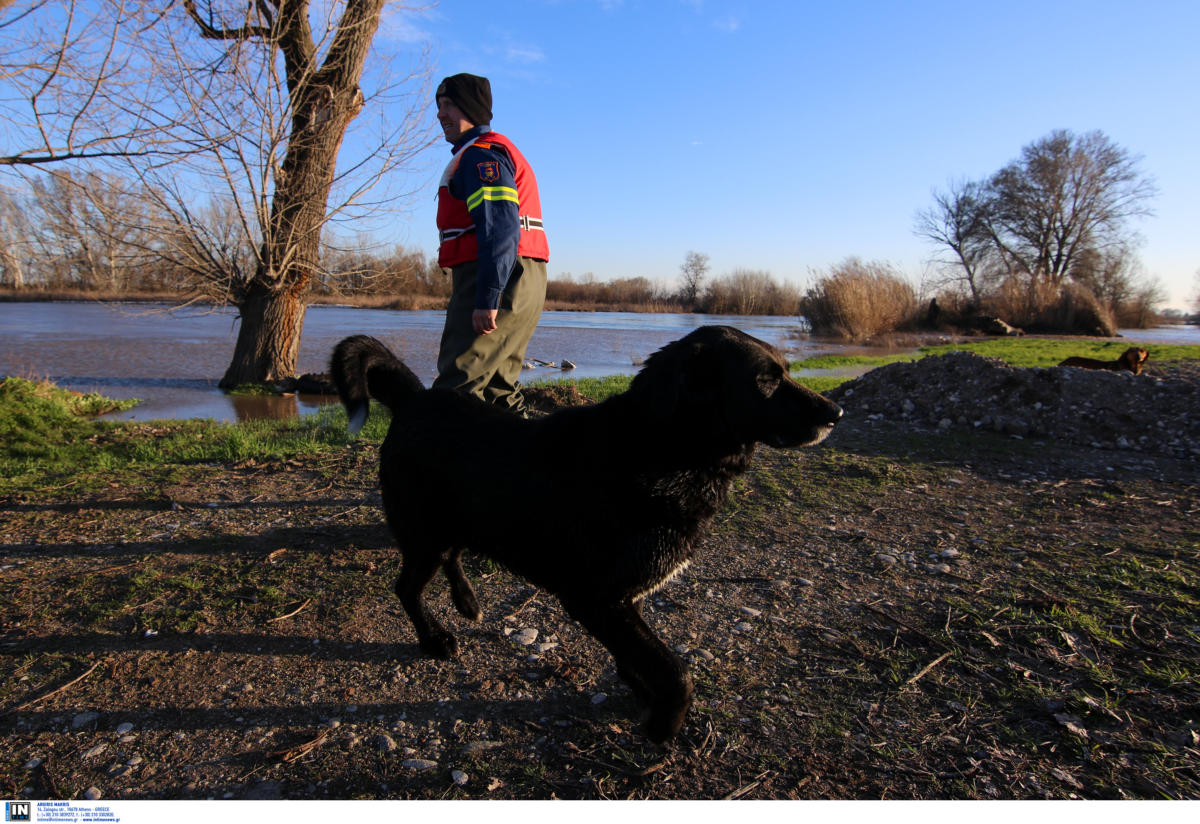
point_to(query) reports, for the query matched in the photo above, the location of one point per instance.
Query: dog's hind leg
(418, 569)
(461, 591)
(656, 674)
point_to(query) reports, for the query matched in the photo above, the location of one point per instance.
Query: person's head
(464, 101)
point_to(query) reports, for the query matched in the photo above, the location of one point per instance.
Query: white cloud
(398, 24)
(729, 24)
(525, 54)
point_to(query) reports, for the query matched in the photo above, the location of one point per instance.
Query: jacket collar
(468, 136)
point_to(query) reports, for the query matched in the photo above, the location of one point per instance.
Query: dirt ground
(901, 612)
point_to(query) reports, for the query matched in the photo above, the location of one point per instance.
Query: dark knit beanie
(471, 93)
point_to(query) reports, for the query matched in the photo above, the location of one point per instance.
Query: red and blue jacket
(489, 210)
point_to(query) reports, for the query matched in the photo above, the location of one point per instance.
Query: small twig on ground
(54, 692)
(517, 611)
(307, 601)
(929, 667)
(906, 625)
(738, 793)
(294, 753)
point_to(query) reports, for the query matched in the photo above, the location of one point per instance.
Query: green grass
(48, 435)
(1026, 351)
(849, 361)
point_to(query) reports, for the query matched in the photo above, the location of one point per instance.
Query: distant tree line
(90, 232)
(97, 233)
(741, 292)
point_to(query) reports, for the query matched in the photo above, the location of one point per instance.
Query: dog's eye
(767, 384)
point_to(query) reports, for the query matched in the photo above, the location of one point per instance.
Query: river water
(172, 358)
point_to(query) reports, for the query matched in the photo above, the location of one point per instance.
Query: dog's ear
(685, 378)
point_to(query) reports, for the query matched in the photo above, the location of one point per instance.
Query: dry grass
(859, 301)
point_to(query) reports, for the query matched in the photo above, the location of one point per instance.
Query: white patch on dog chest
(666, 579)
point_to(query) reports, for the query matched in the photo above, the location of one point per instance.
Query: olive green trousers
(488, 366)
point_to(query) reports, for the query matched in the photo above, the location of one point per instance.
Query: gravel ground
(928, 605)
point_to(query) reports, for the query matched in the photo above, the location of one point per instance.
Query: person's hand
(484, 321)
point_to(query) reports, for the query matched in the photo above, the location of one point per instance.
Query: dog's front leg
(656, 674)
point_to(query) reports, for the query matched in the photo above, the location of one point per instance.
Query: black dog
(624, 486)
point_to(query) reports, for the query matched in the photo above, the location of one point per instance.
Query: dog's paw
(467, 606)
(665, 721)
(440, 645)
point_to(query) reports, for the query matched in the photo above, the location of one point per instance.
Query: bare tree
(1061, 211)
(274, 129)
(1066, 194)
(248, 104)
(1111, 274)
(279, 87)
(693, 269)
(91, 222)
(958, 222)
(70, 88)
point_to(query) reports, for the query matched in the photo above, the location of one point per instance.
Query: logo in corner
(18, 810)
(489, 172)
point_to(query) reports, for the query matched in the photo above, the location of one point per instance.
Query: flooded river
(171, 359)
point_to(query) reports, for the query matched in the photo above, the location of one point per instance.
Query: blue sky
(787, 136)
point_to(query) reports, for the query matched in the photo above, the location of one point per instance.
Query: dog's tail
(364, 368)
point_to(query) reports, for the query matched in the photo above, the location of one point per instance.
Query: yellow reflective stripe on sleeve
(492, 193)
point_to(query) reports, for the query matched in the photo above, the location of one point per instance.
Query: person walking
(489, 219)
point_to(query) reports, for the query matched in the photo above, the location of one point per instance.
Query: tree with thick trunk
(323, 98)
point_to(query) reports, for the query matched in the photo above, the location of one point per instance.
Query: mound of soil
(549, 397)
(1146, 413)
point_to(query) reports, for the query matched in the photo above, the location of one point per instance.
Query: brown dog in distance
(1131, 360)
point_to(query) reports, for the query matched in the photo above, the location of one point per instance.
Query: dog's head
(734, 385)
(1133, 359)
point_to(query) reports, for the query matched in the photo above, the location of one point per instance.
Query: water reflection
(277, 407)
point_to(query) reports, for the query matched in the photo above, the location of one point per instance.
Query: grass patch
(598, 389)
(1025, 351)
(48, 434)
(851, 361)
(254, 389)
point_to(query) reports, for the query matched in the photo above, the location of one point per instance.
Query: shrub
(1048, 308)
(859, 300)
(748, 292)
(1078, 310)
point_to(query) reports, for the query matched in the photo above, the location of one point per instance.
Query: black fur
(622, 488)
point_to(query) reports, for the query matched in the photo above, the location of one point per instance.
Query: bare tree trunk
(268, 342)
(10, 262)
